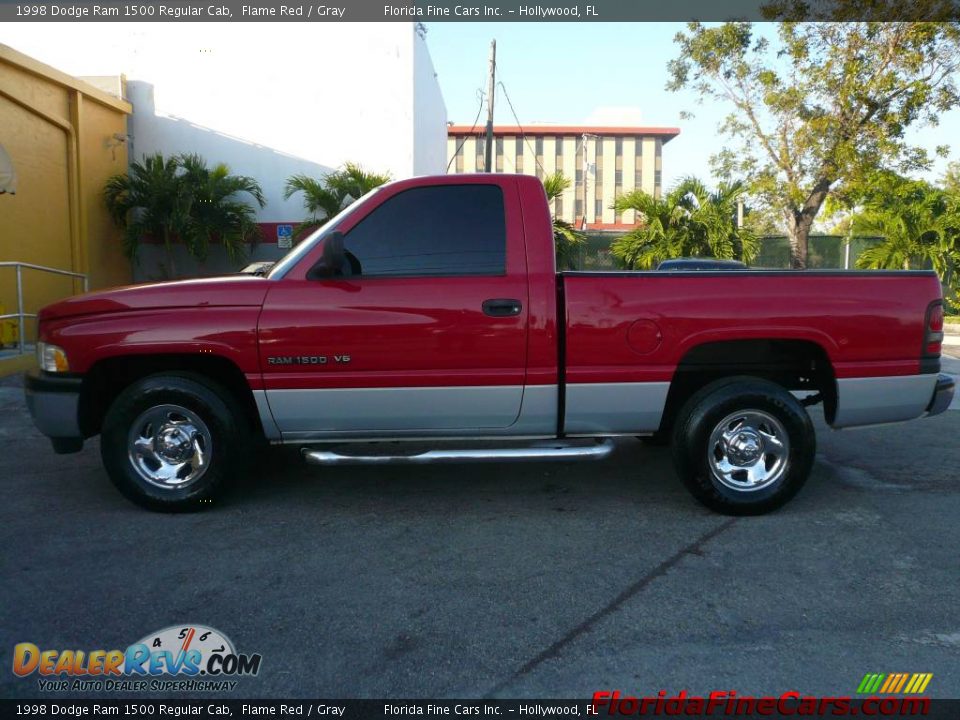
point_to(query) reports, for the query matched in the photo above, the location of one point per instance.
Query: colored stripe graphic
(871, 682)
(894, 683)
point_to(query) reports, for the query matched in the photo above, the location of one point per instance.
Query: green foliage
(951, 177)
(180, 199)
(824, 105)
(567, 240)
(920, 225)
(216, 209)
(690, 221)
(325, 197)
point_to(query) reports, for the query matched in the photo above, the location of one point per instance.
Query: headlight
(52, 358)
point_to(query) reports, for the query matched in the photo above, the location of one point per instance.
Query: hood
(232, 291)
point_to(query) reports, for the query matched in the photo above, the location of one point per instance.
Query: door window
(434, 231)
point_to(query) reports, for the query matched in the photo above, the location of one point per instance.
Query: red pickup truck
(431, 311)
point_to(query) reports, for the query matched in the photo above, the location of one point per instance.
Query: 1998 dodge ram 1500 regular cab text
(431, 311)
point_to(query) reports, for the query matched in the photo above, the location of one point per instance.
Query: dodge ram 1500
(431, 311)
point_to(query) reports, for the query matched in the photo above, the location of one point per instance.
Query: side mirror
(333, 252)
(331, 260)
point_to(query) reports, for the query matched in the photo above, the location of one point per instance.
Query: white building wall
(269, 99)
(429, 114)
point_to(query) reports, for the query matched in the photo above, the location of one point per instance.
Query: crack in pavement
(553, 651)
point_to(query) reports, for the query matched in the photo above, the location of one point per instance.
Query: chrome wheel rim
(748, 450)
(169, 446)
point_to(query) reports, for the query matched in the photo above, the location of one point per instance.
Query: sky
(563, 72)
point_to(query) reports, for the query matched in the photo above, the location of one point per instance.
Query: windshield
(282, 267)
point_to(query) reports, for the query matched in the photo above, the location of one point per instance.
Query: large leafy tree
(181, 199)
(690, 220)
(823, 104)
(326, 196)
(566, 239)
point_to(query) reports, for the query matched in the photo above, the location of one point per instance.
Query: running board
(540, 452)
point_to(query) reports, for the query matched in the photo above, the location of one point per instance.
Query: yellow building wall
(60, 135)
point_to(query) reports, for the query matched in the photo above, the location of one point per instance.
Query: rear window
(440, 230)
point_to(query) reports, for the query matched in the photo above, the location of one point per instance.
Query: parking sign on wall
(284, 237)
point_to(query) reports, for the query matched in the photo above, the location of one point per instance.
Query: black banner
(473, 10)
(453, 709)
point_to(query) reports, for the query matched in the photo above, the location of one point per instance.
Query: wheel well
(793, 364)
(110, 376)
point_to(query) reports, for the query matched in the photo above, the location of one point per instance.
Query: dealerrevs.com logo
(179, 657)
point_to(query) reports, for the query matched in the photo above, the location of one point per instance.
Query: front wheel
(170, 442)
(743, 446)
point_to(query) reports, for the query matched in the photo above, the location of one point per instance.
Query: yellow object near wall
(9, 330)
(64, 139)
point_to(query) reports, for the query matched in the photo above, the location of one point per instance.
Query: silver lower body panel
(876, 400)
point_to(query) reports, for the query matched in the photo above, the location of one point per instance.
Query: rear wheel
(743, 446)
(171, 442)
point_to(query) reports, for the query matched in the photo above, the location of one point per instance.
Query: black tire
(706, 468)
(222, 425)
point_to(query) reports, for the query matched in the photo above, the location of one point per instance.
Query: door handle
(502, 307)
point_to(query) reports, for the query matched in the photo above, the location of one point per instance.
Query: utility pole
(488, 161)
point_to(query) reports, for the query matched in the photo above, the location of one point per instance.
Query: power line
(473, 127)
(523, 135)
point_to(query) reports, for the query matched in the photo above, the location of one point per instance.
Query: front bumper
(942, 395)
(54, 404)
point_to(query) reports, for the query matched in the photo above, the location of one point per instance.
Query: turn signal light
(52, 358)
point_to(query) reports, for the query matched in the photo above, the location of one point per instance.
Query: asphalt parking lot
(531, 580)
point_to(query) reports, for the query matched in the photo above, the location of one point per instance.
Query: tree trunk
(168, 248)
(798, 234)
(800, 220)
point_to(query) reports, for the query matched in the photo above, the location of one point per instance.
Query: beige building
(603, 162)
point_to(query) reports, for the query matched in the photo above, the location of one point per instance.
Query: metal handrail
(20, 314)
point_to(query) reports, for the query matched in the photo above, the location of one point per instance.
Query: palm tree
(919, 224)
(566, 239)
(181, 199)
(712, 216)
(689, 221)
(324, 198)
(149, 200)
(217, 210)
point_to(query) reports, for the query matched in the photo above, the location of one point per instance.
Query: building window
(499, 146)
(579, 206)
(598, 209)
(638, 165)
(481, 159)
(558, 204)
(559, 154)
(518, 151)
